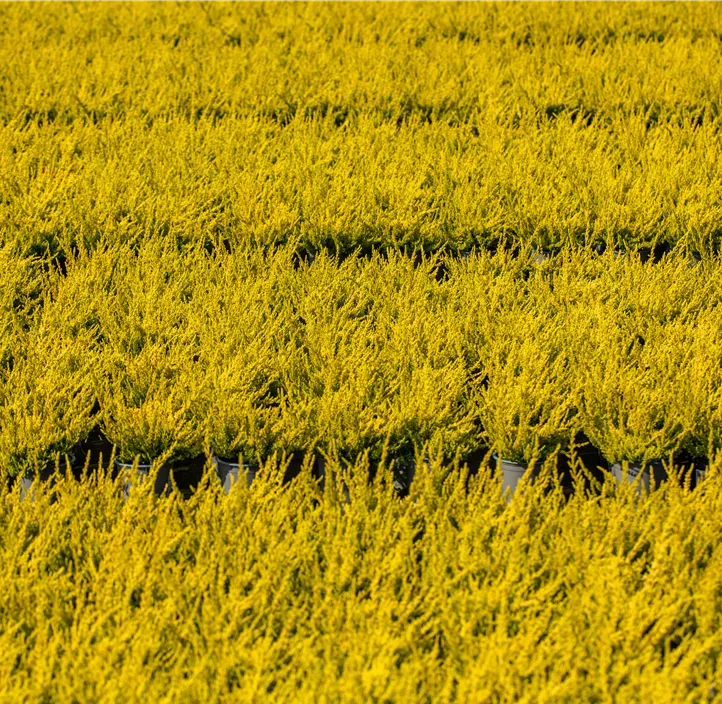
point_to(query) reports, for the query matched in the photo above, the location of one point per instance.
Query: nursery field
(175, 355)
(342, 587)
(335, 276)
(388, 125)
(280, 592)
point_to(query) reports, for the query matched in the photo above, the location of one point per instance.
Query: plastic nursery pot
(230, 472)
(539, 256)
(653, 469)
(27, 481)
(294, 464)
(98, 447)
(162, 479)
(512, 472)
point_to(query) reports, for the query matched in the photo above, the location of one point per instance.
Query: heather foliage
(173, 354)
(278, 592)
(360, 240)
(342, 126)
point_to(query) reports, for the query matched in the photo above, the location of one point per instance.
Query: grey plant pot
(230, 472)
(162, 479)
(701, 466)
(26, 485)
(97, 450)
(27, 482)
(512, 472)
(653, 469)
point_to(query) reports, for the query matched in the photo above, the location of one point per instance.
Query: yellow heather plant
(46, 398)
(482, 287)
(20, 293)
(338, 374)
(246, 341)
(280, 593)
(632, 406)
(421, 345)
(524, 393)
(147, 411)
(48, 373)
(353, 404)
(365, 60)
(431, 407)
(147, 375)
(699, 385)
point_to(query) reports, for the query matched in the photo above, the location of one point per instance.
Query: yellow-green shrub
(628, 406)
(340, 379)
(247, 343)
(420, 342)
(46, 395)
(20, 289)
(281, 593)
(525, 400)
(147, 374)
(643, 366)
(699, 385)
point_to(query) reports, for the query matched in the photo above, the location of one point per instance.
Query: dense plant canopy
(369, 238)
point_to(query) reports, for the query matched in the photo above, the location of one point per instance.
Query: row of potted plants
(175, 355)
